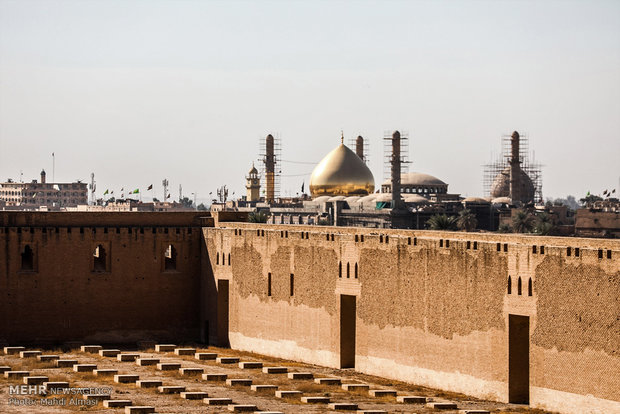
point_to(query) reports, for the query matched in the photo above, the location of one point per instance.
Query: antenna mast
(165, 184)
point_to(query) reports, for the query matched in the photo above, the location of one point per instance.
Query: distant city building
(35, 194)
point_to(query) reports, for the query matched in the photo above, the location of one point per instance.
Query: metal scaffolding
(387, 153)
(270, 157)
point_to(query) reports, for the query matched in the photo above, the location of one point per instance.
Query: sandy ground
(173, 403)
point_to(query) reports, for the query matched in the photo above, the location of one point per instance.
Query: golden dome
(341, 172)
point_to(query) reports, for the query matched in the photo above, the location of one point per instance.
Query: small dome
(502, 200)
(367, 199)
(416, 178)
(352, 199)
(253, 170)
(337, 198)
(475, 200)
(415, 199)
(321, 199)
(341, 172)
(501, 185)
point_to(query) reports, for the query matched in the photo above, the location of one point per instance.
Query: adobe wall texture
(432, 308)
(63, 298)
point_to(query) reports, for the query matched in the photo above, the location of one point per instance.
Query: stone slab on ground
(148, 383)
(13, 350)
(227, 360)
(411, 399)
(47, 358)
(56, 384)
(127, 357)
(241, 408)
(300, 375)
(382, 393)
(65, 363)
(264, 388)
(98, 397)
(16, 374)
(185, 351)
(143, 362)
(315, 400)
(165, 347)
(442, 405)
(91, 349)
(328, 381)
(194, 395)
(84, 367)
(205, 356)
(109, 352)
(171, 389)
(250, 365)
(139, 409)
(35, 380)
(275, 370)
(108, 372)
(355, 387)
(217, 401)
(239, 382)
(343, 406)
(214, 377)
(191, 371)
(168, 366)
(116, 403)
(288, 394)
(4, 368)
(29, 354)
(126, 378)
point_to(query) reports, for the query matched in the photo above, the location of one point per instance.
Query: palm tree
(504, 228)
(467, 220)
(543, 225)
(258, 217)
(441, 222)
(522, 221)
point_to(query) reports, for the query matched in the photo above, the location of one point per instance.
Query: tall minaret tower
(253, 185)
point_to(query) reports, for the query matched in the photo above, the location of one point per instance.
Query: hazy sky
(137, 91)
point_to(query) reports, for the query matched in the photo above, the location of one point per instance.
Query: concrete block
(185, 351)
(47, 358)
(205, 356)
(239, 408)
(109, 352)
(98, 397)
(239, 382)
(315, 400)
(148, 383)
(227, 360)
(343, 406)
(171, 389)
(136, 409)
(195, 395)
(168, 366)
(127, 357)
(4, 369)
(288, 394)
(355, 387)
(126, 378)
(275, 370)
(91, 349)
(13, 350)
(143, 362)
(29, 354)
(217, 401)
(214, 377)
(191, 371)
(300, 375)
(105, 372)
(382, 393)
(250, 365)
(16, 374)
(328, 381)
(84, 367)
(264, 388)
(116, 403)
(64, 363)
(35, 380)
(442, 405)
(51, 385)
(411, 399)
(165, 347)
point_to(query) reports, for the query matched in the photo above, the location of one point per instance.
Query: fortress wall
(431, 308)
(65, 298)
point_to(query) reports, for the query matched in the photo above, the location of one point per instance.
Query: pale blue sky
(136, 91)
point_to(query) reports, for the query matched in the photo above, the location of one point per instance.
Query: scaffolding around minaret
(270, 152)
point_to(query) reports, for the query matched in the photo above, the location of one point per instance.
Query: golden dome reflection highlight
(341, 172)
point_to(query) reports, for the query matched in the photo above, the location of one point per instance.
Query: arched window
(340, 269)
(356, 270)
(348, 270)
(27, 258)
(529, 287)
(509, 285)
(228, 259)
(170, 258)
(100, 259)
(519, 286)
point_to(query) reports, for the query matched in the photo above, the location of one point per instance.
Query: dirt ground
(173, 403)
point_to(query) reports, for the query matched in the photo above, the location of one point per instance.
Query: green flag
(136, 191)
(106, 192)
